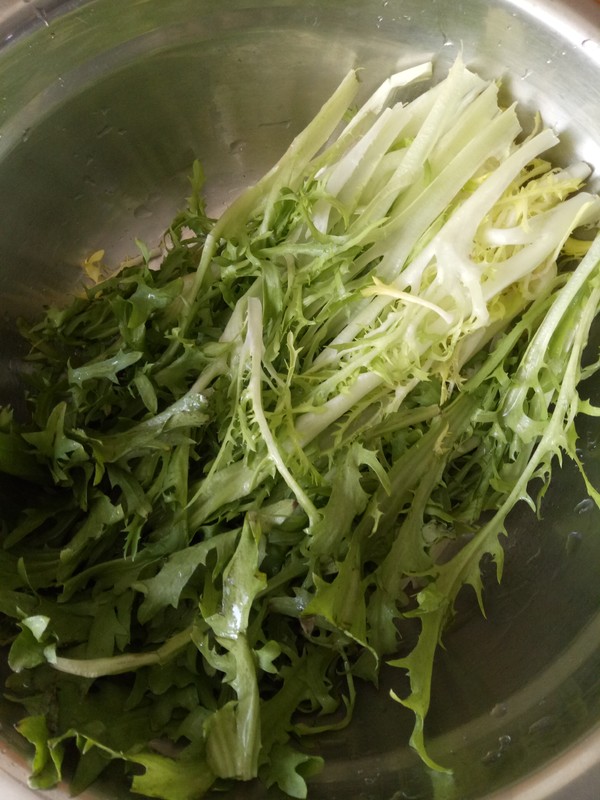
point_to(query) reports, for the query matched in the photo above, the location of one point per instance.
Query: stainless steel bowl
(104, 104)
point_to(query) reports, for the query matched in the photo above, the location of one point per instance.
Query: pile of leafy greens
(248, 468)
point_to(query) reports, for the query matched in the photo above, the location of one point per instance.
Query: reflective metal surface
(104, 105)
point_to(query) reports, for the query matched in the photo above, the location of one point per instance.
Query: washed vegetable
(255, 458)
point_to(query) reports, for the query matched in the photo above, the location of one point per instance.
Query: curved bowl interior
(103, 107)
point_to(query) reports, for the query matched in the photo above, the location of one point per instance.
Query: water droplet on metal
(142, 212)
(492, 756)
(237, 146)
(499, 710)
(25, 134)
(542, 724)
(585, 506)
(592, 46)
(504, 741)
(573, 543)
(41, 14)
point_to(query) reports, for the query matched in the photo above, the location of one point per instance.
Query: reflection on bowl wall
(104, 105)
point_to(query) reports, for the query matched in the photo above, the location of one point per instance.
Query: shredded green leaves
(246, 470)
